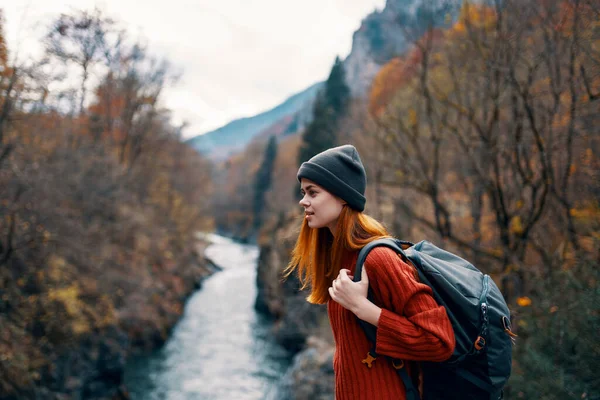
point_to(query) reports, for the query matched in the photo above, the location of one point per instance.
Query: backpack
(481, 363)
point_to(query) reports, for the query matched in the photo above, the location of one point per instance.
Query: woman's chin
(313, 224)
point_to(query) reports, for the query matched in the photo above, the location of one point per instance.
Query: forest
(99, 204)
(482, 137)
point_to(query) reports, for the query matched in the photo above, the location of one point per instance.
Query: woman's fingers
(344, 273)
(332, 294)
(346, 292)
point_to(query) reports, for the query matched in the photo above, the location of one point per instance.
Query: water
(220, 349)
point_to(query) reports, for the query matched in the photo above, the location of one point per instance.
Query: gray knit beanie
(340, 171)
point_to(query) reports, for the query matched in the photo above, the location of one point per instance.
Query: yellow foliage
(412, 116)
(159, 190)
(510, 268)
(83, 315)
(516, 225)
(590, 212)
(522, 323)
(69, 296)
(478, 16)
(496, 252)
(588, 157)
(459, 27)
(56, 268)
(524, 301)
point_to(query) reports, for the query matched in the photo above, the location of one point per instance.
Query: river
(221, 348)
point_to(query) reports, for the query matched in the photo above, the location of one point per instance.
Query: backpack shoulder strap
(393, 244)
(370, 330)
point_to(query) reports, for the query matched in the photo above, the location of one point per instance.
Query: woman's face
(321, 208)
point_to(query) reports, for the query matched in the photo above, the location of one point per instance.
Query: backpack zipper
(480, 342)
(486, 289)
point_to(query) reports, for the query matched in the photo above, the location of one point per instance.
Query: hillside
(233, 137)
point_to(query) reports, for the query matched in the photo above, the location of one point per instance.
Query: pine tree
(262, 181)
(330, 106)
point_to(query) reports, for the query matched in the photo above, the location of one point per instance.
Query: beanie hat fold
(333, 184)
(340, 171)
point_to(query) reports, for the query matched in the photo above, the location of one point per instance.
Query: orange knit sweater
(412, 327)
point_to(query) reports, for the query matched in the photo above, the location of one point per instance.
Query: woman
(410, 324)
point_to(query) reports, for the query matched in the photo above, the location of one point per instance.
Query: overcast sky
(238, 57)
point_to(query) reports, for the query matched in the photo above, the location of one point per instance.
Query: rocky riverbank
(78, 346)
(300, 327)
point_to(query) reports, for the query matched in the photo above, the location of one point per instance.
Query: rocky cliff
(311, 375)
(294, 318)
(388, 33)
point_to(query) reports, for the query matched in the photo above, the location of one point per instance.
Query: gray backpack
(481, 363)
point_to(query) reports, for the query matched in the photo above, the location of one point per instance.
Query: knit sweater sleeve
(412, 326)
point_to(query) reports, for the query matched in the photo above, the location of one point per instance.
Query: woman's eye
(312, 194)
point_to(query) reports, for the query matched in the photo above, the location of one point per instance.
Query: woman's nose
(303, 202)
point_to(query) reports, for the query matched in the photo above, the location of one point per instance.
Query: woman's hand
(346, 292)
(353, 296)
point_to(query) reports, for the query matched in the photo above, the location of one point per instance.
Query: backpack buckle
(398, 364)
(369, 360)
(479, 343)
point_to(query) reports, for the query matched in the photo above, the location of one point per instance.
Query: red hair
(318, 255)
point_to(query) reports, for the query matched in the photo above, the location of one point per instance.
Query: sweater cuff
(394, 332)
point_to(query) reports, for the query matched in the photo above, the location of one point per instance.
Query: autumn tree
(126, 106)
(474, 96)
(8, 92)
(80, 40)
(487, 149)
(98, 243)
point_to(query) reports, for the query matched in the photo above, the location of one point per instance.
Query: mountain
(382, 36)
(390, 32)
(234, 136)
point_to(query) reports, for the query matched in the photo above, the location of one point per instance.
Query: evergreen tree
(337, 92)
(330, 106)
(262, 181)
